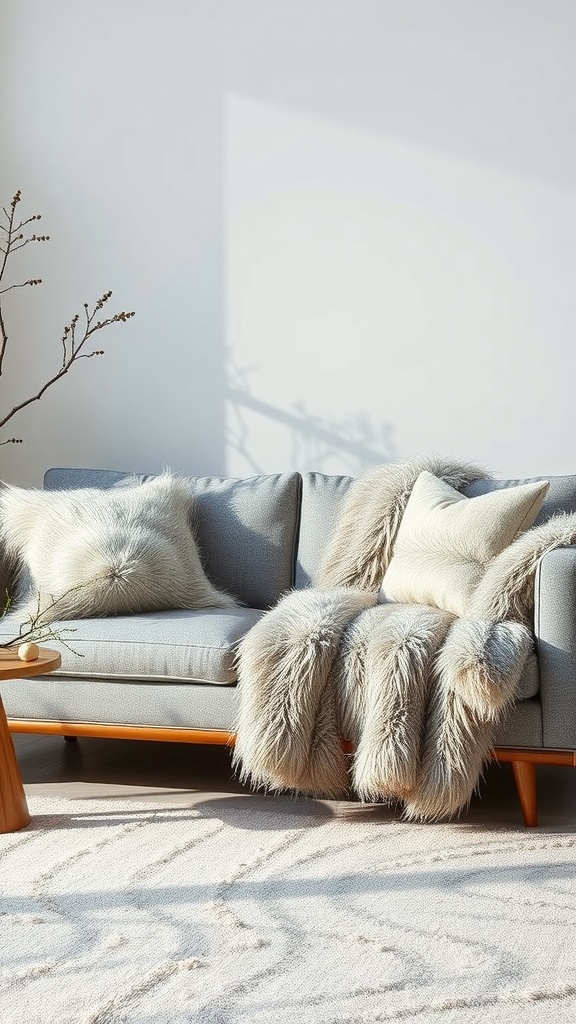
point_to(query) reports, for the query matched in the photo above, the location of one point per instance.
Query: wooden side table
(14, 813)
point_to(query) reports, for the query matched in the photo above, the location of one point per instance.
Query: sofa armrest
(555, 632)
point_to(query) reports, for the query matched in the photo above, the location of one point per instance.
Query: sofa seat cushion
(167, 646)
(124, 702)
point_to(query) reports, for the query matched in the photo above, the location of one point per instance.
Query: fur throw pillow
(91, 553)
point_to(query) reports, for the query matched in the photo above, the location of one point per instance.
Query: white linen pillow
(446, 541)
(106, 552)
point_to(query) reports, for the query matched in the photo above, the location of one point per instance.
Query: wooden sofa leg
(525, 779)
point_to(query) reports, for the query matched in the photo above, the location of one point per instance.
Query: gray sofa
(170, 675)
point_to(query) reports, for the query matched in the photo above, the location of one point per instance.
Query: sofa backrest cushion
(322, 498)
(561, 496)
(246, 530)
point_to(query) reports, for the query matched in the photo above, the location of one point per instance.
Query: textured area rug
(262, 910)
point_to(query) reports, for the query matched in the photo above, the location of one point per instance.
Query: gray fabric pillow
(90, 552)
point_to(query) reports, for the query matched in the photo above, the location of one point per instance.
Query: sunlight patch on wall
(383, 300)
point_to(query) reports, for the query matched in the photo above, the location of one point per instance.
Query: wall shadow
(315, 441)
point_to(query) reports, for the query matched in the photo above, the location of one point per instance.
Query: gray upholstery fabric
(529, 682)
(322, 497)
(246, 529)
(64, 479)
(179, 645)
(247, 532)
(555, 629)
(561, 495)
(523, 728)
(121, 702)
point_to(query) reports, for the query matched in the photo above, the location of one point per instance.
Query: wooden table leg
(14, 813)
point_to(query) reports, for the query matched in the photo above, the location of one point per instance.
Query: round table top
(12, 667)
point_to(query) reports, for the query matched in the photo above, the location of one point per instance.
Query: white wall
(348, 229)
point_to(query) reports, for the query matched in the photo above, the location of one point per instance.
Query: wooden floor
(149, 770)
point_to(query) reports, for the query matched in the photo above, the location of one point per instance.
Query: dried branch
(73, 347)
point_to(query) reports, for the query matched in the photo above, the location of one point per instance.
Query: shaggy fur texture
(287, 732)
(507, 589)
(418, 691)
(475, 676)
(399, 657)
(89, 552)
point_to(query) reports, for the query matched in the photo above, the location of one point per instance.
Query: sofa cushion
(561, 496)
(150, 704)
(322, 499)
(178, 646)
(246, 530)
(91, 552)
(445, 540)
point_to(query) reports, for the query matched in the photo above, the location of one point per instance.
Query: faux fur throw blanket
(418, 691)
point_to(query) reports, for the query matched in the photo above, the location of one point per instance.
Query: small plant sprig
(15, 234)
(34, 630)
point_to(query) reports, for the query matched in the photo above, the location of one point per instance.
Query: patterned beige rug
(260, 910)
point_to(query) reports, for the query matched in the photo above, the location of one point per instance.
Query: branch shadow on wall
(316, 442)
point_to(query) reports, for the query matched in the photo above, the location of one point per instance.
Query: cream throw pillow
(445, 540)
(106, 552)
